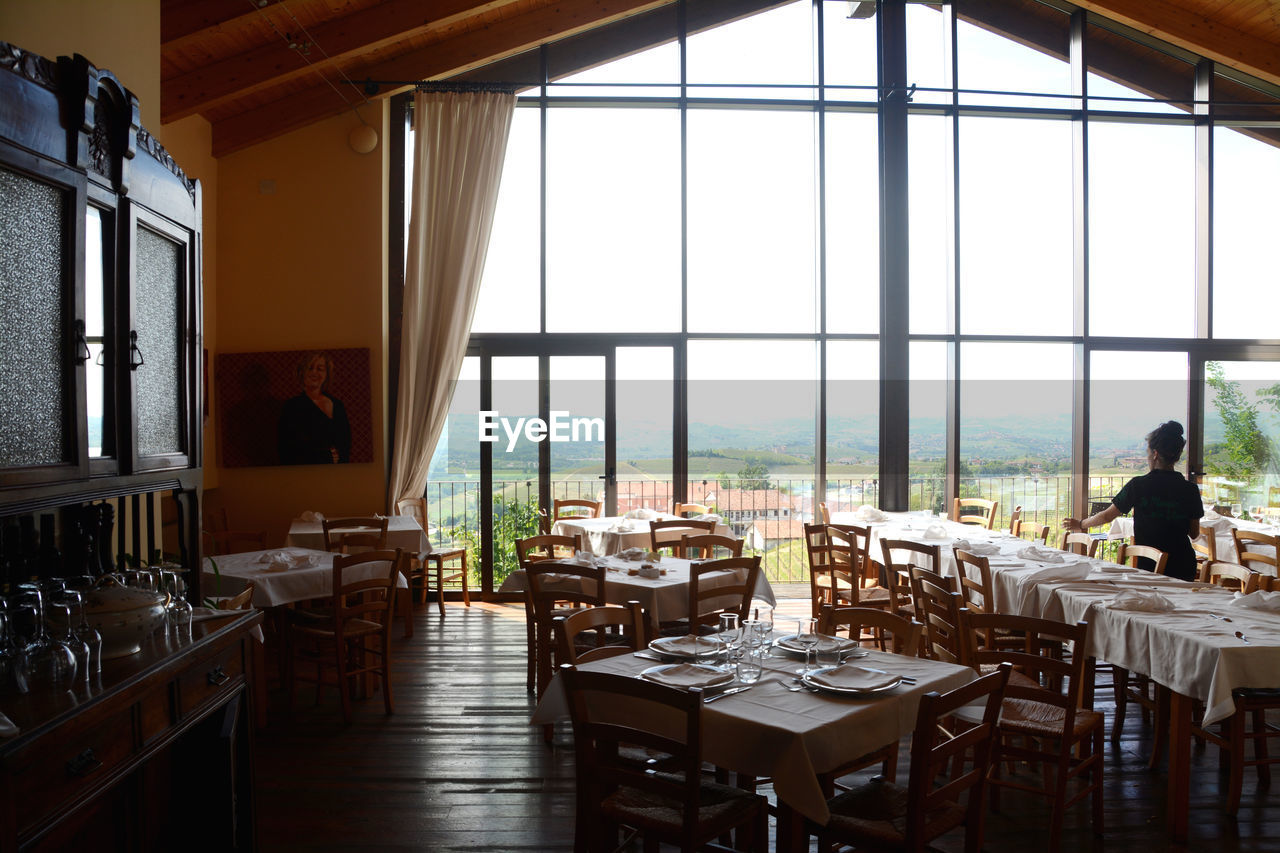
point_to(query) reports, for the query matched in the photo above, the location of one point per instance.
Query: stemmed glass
(67, 603)
(85, 633)
(42, 660)
(731, 636)
(8, 655)
(764, 623)
(179, 610)
(807, 636)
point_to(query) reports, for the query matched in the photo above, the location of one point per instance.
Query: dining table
(664, 598)
(1220, 526)
(793, 736)
(403, 532)
(615, 534)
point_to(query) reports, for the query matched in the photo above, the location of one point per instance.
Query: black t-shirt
(1163, 504)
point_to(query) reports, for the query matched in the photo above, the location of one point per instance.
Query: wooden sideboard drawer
(64, 766)
(214, 675)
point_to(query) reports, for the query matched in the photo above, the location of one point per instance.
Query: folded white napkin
(311, 515)
(1059, 574)
(632, 554)
(642, 514)
(200, 614)
(687, 675)
(583, 558)
(710, 516)
(1116, 568)
(1135, 599)
(1215, 522)
(624, 526)
(982, 549)
(689, 645)
(867, 512)
(1260, 600)
(936, 531)
(282, 561)
(1037, 554)
(850, 677)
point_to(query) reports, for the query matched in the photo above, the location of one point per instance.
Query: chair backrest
(702, 546)
(661, 535)
(1079, 543)
(1133, 555)
(975, 511)
(905, 551)
(1053, 676)
(609, 710)
(888, 631)
(1206, 546)
(707, 601)
(1033, 531)
(364, 586)
(415, 508)
(346, 535)
(239, 601)
(850, 562)
(1014, 518)
(688, 509)
(575, 508)
(824, 515)
(974, 574)
(1232, 576)
(939, 772)
(941, 609)
(629, 620)
(551, 581)
(546, 546)
(1247, 540)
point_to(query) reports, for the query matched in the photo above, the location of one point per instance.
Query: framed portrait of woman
(295, 407)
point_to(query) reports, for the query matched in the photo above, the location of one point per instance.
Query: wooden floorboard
(458, 768)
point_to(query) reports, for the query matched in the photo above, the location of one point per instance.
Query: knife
(728, 692)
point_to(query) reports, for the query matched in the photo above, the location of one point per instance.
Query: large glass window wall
(1066, 238)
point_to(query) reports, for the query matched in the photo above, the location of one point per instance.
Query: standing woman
(1166, 507)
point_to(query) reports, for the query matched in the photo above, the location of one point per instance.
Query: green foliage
(512, 520)
(754, 476)
(1247, 449)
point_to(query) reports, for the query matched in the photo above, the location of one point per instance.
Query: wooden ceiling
(259, 68)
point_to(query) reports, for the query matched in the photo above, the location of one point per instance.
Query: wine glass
(179, 610)
(85, 633)
(42, 661)
(807, 636)
(69, 606)
(730, 636)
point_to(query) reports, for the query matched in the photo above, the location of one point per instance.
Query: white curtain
(460, 144)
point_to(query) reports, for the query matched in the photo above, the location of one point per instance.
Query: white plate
(705, 676)
(675, 647)
(847, 691)
(791, 645)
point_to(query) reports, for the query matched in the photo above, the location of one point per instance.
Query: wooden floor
(457, 767)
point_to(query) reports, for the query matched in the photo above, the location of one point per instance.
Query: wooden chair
(686, 510)
(239, 601)
(575, 508)
(1043, 710)
(978, 511)
(1247, 541)
(1015, 518)
(1079, 543)
(659, 538)
(1135, 555)
(611, 712)
(1033, 531)
(629, 634)
(848, 545)
(352, 535)
(941, 609)
(824, 515)
(1247, 725)
(1206, 547)
(703, 546)
(883, 816)
(829, 583)
(706, 602)
(423, 565)
(872, 625)
(551, 585)
(1231, 576)
(530, 550)
(342, 637)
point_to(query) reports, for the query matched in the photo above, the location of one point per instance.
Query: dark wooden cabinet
(101, 356)
(154, 755)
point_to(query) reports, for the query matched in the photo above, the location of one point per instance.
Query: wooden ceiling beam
(1175, 23)
(335, 42)
(467, 51)
(183, 21)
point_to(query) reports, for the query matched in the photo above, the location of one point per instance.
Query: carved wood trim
(33, 67)
(152, 146)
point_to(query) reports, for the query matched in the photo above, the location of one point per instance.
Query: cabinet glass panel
(97, 372)
(157, 321)
(33, 392)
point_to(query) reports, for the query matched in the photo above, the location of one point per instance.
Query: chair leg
(1235, 745)
(387, 701)
(1161, 731)
(1096, 773)
(344, 692)
(1120, 686)
(466, 585)
(404, 598)
(1260, 748)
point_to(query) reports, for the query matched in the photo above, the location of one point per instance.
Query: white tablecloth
(1122, 528)
(403, 532)
(914, 527)
(665, 598)
(272, 589)
(604, 536)
(794, 737)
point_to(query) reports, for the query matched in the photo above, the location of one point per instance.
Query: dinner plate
(687, 675)
(688, 648)
(808, 681)
(792, 645)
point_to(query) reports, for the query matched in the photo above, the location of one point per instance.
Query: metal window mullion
(1080, 249)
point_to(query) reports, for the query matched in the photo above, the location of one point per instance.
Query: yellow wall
(122, 37)
(300, 266)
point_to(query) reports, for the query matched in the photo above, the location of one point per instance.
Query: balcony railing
(769, 515)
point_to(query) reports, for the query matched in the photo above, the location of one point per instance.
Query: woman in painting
(313, 426)
(1166, 507)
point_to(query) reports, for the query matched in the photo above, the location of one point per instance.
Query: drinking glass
(85, 633)
(764, 616)
(828, 651)
(178, 611)
(730, 636)
(750, 664)
(68, 605)
(42, 661)
(807, 636)
(751, 635)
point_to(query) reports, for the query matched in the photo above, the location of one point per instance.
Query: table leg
(791, 835)
(1179, 763)
(405, 597)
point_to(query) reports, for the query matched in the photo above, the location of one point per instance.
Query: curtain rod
(372, 87)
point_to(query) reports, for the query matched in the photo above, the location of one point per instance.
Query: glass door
(1240, 449)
